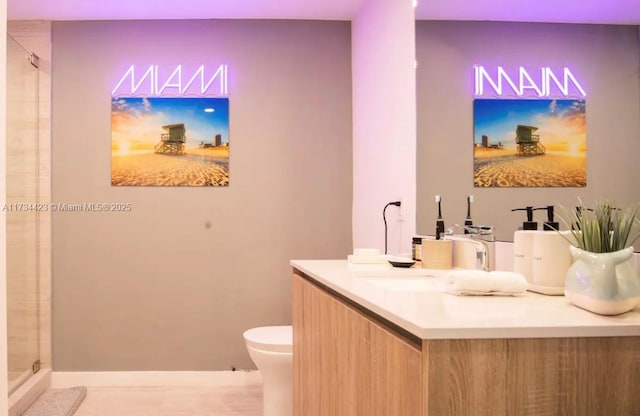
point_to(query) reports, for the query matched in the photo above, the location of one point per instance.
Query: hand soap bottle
(550, 258)
(529, 224)
(550, 224)
(523, 245)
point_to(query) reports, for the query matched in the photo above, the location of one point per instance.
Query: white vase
(603, 283)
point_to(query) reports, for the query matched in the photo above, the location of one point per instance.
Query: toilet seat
(270, 338)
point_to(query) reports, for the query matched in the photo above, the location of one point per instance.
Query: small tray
(406, 263)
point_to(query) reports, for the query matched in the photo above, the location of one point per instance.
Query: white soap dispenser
(550, 258)
(523, 245)
(522, 252)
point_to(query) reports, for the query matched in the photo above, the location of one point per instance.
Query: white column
(384, 123)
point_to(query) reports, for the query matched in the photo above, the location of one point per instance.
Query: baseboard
(62, 379)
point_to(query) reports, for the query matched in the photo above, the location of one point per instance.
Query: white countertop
(433, 314)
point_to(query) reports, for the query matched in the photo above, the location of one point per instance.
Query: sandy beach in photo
(503, 168)
(197, 167)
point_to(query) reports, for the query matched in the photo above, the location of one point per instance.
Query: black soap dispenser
(529, 224)
(550, 224)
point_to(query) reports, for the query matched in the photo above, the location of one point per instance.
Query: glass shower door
(22, 214)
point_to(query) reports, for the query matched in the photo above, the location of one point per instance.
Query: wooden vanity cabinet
(350, 362)
(346, 364)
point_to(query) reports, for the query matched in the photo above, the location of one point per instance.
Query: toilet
(271, 349)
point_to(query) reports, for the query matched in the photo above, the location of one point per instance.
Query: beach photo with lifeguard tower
(162, 141)
(530, 143)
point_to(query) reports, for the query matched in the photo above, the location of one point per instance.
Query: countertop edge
(612, 327)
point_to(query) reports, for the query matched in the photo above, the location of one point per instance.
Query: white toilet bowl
(271, 349)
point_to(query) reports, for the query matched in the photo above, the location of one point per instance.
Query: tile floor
(172, 401)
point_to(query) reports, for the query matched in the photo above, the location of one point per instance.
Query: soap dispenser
(549, 224)
(529, 224)
(550, 257)
(523, 245)
(550, 260)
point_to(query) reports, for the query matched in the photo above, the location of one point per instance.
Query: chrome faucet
(481, 235)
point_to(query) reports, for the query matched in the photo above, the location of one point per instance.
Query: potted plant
(601, 278)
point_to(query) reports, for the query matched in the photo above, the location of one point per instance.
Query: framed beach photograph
(169, 141)
(530, 143)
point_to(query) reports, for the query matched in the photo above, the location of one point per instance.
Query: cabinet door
(394, 381)
(345, 364)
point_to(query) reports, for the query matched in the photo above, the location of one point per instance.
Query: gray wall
(608, 61)
(156, 288)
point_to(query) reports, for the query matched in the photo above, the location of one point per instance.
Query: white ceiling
(568, 11)
(181, 9)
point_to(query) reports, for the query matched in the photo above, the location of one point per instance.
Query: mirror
(605, 60)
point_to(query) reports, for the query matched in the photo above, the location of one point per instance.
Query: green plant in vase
(601, 278)
(605, 228)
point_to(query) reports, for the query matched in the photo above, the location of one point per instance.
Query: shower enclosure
(22, 212)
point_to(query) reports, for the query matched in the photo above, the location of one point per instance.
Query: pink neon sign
(543, 83)
(154, 81)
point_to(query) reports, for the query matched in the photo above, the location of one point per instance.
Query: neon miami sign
(544, 83)
(152, 80)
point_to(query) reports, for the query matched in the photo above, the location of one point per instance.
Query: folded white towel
(478, 282)
(362, 259)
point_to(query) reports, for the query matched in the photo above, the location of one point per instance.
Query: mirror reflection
(604, 61)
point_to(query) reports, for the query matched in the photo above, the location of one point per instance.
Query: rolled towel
(478, 282)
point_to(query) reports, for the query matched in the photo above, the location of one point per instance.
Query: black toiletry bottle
(529, 224)
(417, 248)
(549, 224)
